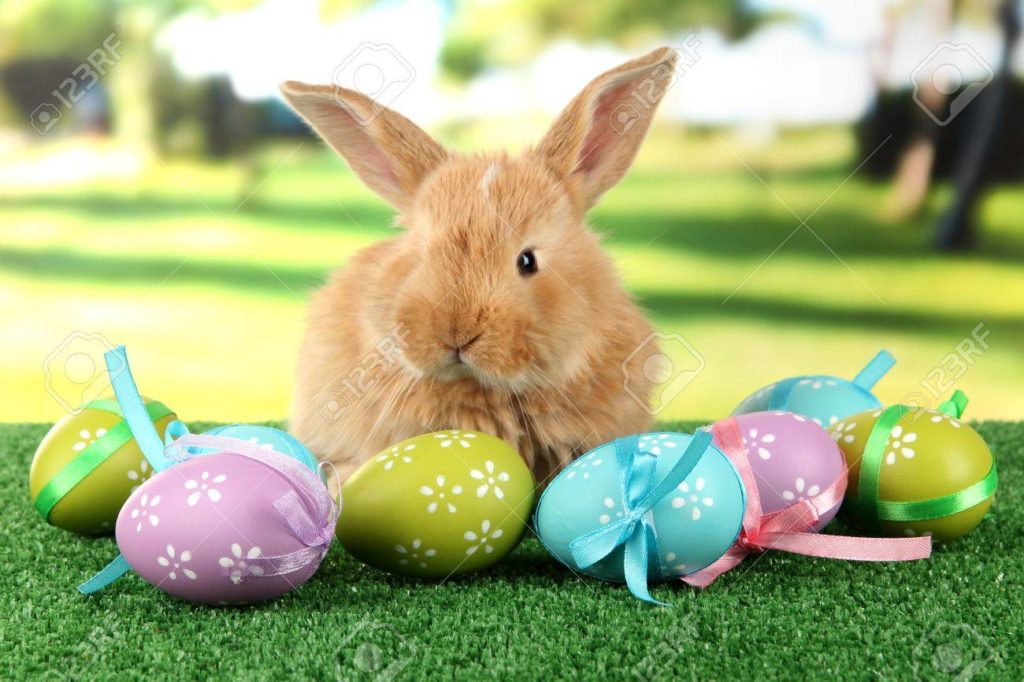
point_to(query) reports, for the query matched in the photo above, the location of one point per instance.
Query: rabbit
(495, 308)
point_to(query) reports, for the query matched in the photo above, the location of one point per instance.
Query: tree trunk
(132, 86)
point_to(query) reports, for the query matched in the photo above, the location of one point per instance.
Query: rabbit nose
(458, 349)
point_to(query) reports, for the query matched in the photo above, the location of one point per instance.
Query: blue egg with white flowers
(270, 438)
(631, 486)
(823, 399)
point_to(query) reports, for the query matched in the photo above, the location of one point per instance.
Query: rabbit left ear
(593, 141)
(390, 153)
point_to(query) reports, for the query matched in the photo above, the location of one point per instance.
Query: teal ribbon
(144, 431)
(872, 373)
(111, 572)
(640, 493)
(134, 408)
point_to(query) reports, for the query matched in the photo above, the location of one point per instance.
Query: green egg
(87, 466)
(926, 455)
(436, 505)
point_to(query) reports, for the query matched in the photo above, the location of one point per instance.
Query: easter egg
(915, 471)
(691, 526)
(87, 466)
(269, 438)
(438, 504)
(792, 458)
(822, 398)
(204, 529)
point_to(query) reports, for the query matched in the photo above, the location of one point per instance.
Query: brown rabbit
(496, 308)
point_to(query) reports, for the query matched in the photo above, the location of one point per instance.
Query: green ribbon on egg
(92, 456)
(874, 510)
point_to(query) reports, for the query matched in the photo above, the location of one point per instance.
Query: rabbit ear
(596, 136)
(390, 153)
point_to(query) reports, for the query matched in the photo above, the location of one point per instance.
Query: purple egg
(793, 459)
(196, 529)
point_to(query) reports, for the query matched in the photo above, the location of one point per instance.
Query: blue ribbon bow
(640, 494)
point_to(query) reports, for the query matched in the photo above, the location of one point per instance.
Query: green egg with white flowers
(437, 505)
(88, 464)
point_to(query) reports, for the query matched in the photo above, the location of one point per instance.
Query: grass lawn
(204, 275)
(778, 616)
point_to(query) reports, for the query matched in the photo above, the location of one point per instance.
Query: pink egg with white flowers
(793, 459)
(224, 528)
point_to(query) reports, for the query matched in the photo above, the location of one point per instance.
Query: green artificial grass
(528, 618)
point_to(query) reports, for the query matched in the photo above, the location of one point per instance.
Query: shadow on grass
(64, 265)
(745, 234)
(888, 318)
(305, 215)
(747, 231)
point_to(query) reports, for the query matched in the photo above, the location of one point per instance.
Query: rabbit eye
(526, 262)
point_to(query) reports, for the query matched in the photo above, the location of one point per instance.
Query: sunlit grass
(203, 270)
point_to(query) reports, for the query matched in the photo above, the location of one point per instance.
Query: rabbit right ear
(594, 139)
(390, 153)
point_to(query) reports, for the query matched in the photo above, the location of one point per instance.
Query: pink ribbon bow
(789, 529)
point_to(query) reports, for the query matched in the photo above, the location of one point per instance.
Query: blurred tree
(37, 29)
(510, 31)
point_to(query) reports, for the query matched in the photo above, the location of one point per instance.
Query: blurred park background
(825, 179)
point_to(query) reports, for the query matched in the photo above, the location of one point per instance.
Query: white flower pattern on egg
(670, 559)
(140, 474)
(490, 480)
(87, 439)
(588, 462)
(144, 512)
(256, 441)
(610, 505)
(941, 417)
(816, 383)
(455, 436)
(238, 563)
(757, 443)
(441, 495)
(415, 553)
(898, 444)
(695, 499)
(798, 493)
(395, 454)
(204, 485)
(911, 533)
(483, 539)
(175, 563)
(654, 443)
(841, 432)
